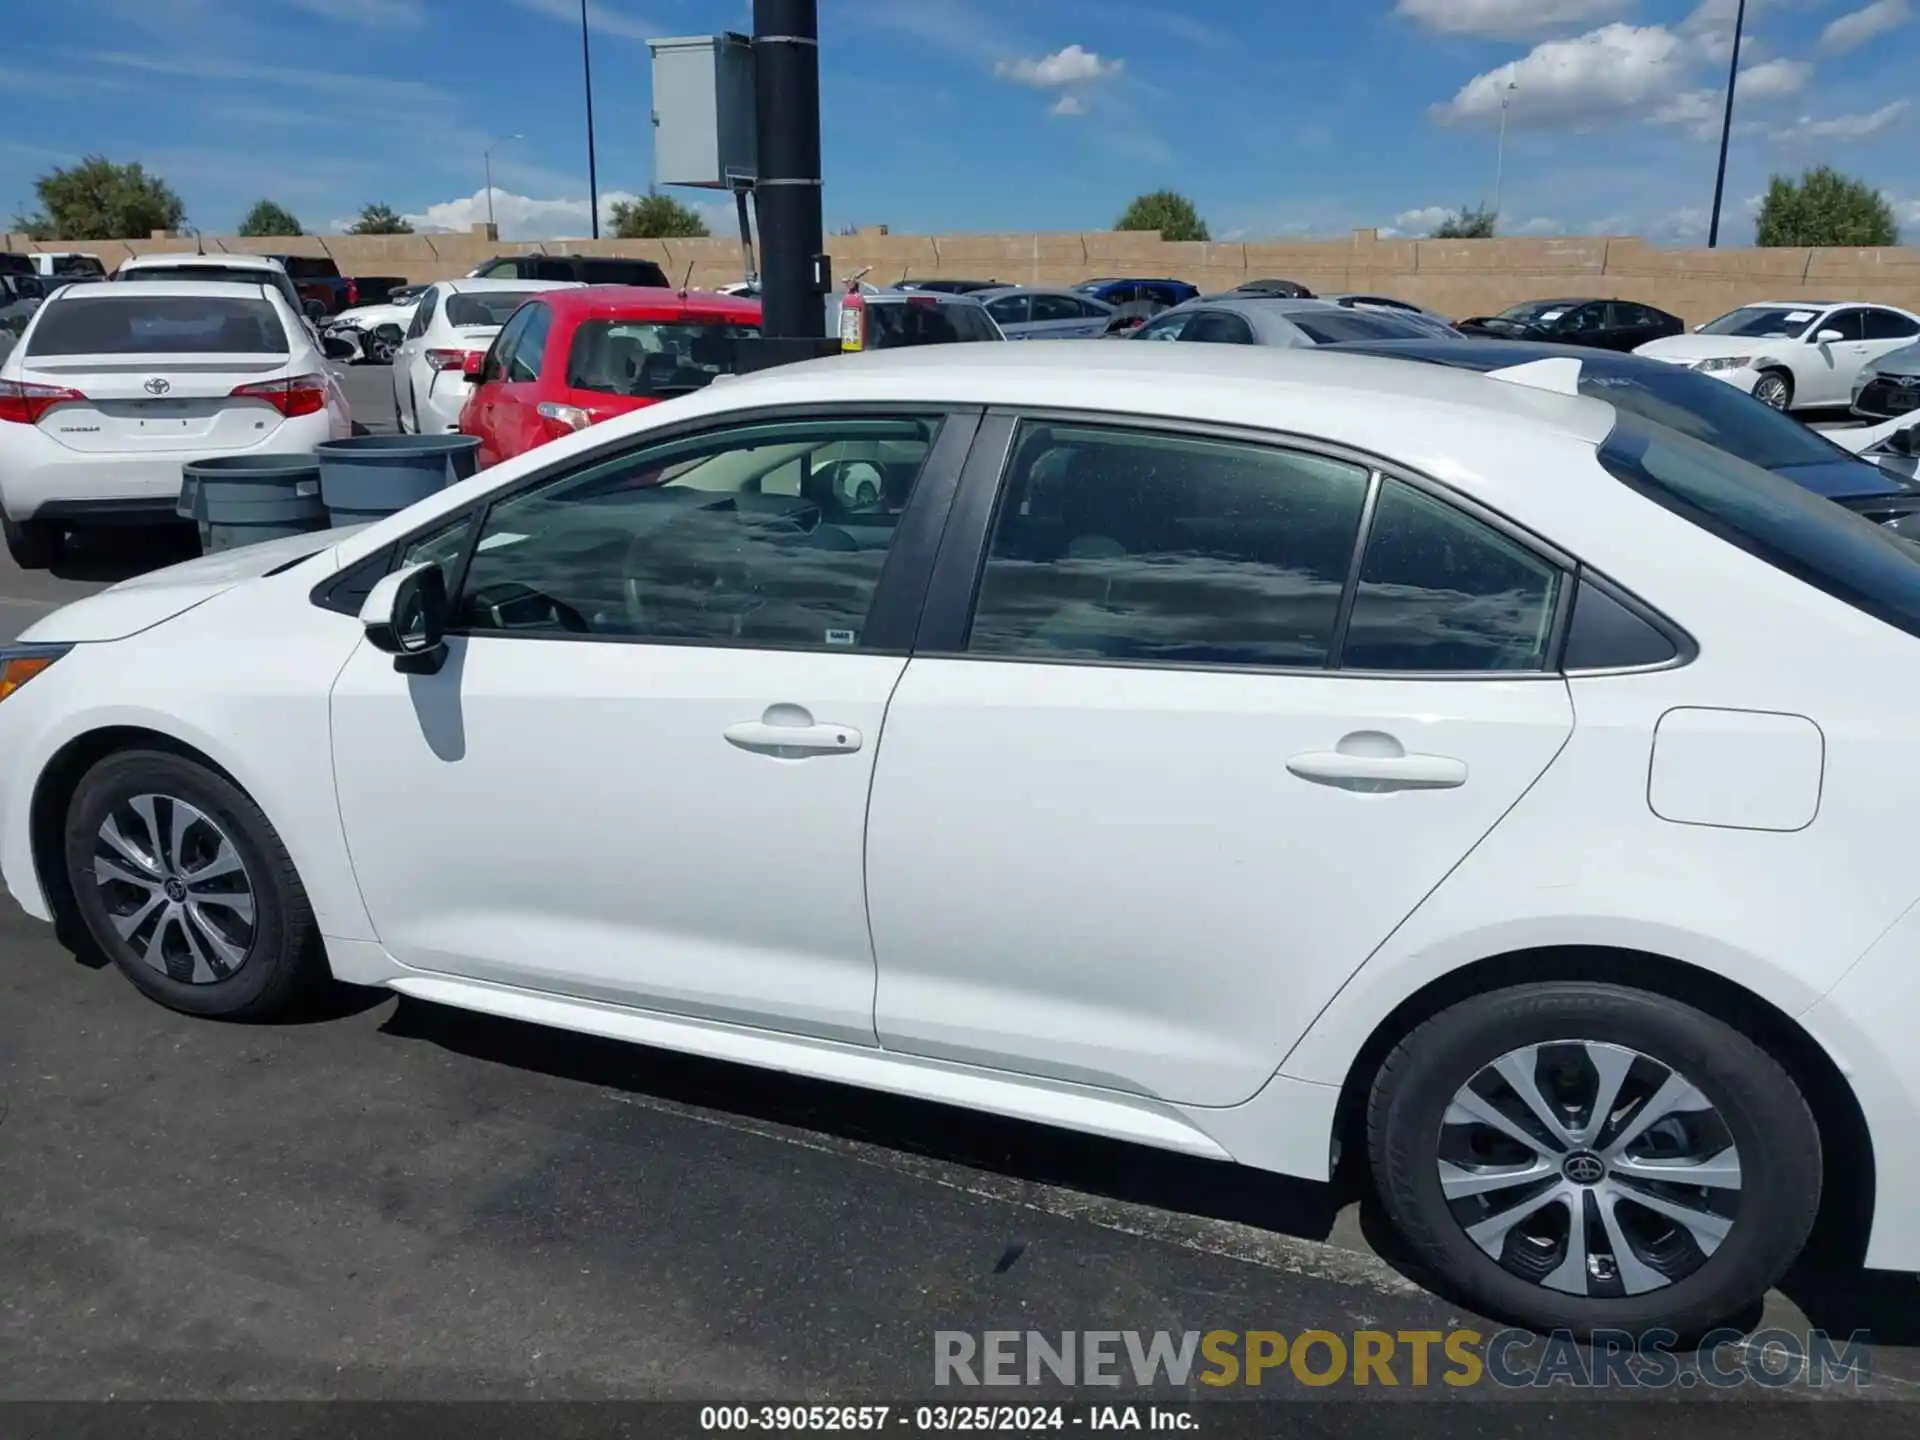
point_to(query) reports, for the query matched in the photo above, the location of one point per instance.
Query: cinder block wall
(1457, 277)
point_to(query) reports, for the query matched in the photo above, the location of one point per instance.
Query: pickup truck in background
(325, 291)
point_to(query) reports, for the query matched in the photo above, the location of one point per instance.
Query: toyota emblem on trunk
(157, 386)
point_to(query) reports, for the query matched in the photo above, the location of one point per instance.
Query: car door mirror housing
(1828, 337)
(405, 616)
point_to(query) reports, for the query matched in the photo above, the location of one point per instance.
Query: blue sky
(1281, 118)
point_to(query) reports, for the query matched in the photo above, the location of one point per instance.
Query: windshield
(1768, 516)
(891, 324)
(108, 323)
(1535, 312)
(1333, 326)
(650, 358)
(1762, 322)
(484, 307)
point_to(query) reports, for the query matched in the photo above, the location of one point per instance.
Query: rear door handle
(1379, 774)
(789, 732)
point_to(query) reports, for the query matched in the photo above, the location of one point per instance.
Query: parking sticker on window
(843, 637)
(1799, 317)
(1549, 316)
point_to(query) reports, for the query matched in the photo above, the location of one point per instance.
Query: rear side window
(891, 324)
(1218, 327)
(1886, 325)
(78, 265)
(106, 323)
(530, 350)
(650, 358)
(484, 307)
(1825, 545)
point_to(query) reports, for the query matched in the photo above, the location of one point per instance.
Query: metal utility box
(703, 111)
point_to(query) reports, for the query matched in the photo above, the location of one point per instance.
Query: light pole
(486, 157)
(1726, 127)
(1500, 154)
(593, 174)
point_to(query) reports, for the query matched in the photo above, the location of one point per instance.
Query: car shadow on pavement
(1011, 1148)
(110, 556)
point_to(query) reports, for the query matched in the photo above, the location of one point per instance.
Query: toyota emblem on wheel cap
(157, 386)
(1583, 1167)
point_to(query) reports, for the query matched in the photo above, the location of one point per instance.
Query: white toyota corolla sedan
(1261, 755)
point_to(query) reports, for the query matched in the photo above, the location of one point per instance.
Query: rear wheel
(182, 881)
(1774, 388)
(33, 544)
(1589, 1156)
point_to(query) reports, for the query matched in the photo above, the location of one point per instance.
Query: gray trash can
(371, 476)
(242, 499)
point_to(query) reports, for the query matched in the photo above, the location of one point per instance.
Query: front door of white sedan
(642, 774)
(1129, 829)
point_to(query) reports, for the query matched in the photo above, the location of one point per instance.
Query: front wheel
(33, 544)
(1774, 389)
(381, 346)
(1589, 1156)
(182, 882)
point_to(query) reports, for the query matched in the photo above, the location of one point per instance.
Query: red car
(570, 358)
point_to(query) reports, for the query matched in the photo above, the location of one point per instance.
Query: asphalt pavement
(392, 1200)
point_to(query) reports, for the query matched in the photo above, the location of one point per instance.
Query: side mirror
(1828, 337)
(473, 369)
(405, 616)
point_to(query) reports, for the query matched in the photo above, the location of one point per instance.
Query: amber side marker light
(18, 667)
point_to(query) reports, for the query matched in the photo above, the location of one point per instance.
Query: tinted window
(925, 322)
(1330, 327)
(500, 355)
(1057, 307)
(1763, 322)
(651, 358)
(225, 274)
(1606, 635)
(616, 272)
(1886, 325)
(1010, 309)
(1166, 327)
(77, 265)
(1710, 410)
(484, 307)
(1531, 312)
(506, 269)
(1218, 327)
(306, 267)
(1440, 590)
(105, 323)
(763, 535)
(14, 263)
(1771, 518)
(1128, 546)
(1850, 323)
(544, 269)
(423, 312)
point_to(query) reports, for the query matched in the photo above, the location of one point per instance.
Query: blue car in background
(1134, 299)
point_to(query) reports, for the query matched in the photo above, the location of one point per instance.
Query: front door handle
(1376, 764)
(789, 732)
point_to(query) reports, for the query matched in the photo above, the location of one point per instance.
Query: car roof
(466, 283)
(167, 258)
(1228, 384)
(135, 289)
(1799, 304)
(1256, 304)
(1471, 353)
(921, 297)
(607, 299)
(998, 290)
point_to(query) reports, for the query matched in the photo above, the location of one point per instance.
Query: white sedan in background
(1170, 756)
(452, 321)
(370, 332)
(112, 387)
(1792, 355)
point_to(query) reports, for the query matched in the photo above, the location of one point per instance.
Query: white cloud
(375, 14)
(1851, 31)
(1069, 105)
(602, 18)
(1844, 127)
(1071, 66)
(1504, 19)
(1422, 221)
(1687, 223)
(1615, 71)
(522, 217)
(1538, 225)
(1773, 80)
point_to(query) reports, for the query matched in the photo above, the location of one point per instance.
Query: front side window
(771, 535)
(1129, 546)
(1056, 307)
(1166, 327)
(1009, 309)
(1442, 591)
(653, 358)
(1851, 325)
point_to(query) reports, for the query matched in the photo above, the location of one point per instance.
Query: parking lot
(395, 1200)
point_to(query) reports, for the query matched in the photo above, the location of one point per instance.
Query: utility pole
(593, 172)
(1726, 127)
(786, 65)
(1500, 154)
(486, 157)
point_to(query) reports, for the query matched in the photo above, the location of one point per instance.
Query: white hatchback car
(112, 387)
(1792, 355)
(452, 321)
(1258, 754)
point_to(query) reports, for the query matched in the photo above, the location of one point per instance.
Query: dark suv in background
(587, 269)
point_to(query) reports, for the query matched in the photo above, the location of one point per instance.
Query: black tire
(33, 544)
(282, 961)
(1767, 1119)
(1774, 389)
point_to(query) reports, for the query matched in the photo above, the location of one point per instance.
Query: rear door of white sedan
(1216, 714)
(642, 774)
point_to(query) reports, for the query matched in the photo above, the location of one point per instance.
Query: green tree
(1475, 222)
(655, 217)
(1824, 207)
(379, 220)
(269, 217)
(1167, 211)
(99, 200)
